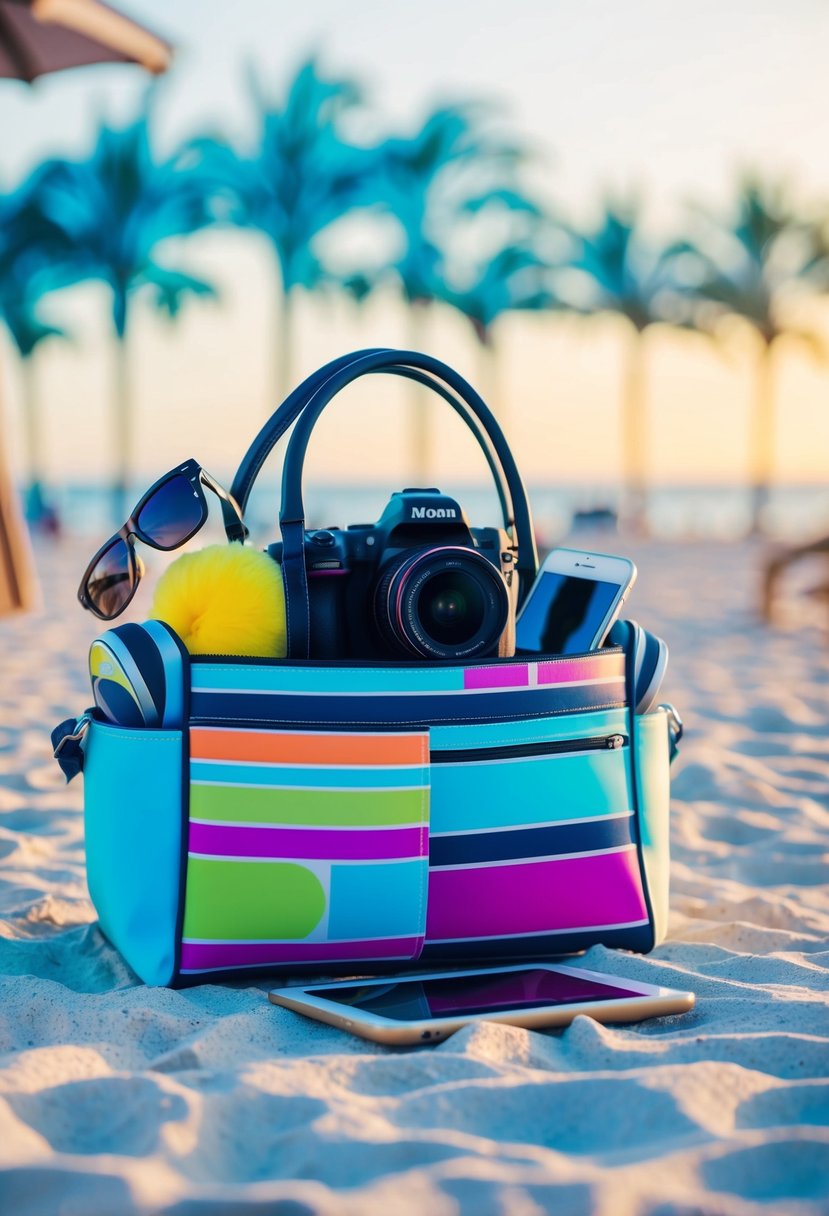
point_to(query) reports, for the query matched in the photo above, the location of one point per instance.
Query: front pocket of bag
(532, 840)
(305, 847)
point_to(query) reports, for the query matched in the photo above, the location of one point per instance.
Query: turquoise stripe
(396, 777)
(257, 677)
(469, 797)
(372, 899)
(495, 734)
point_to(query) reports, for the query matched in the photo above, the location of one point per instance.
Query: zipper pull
(615, 741)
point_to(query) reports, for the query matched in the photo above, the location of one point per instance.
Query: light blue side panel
(386, 899)
(533, 790)
(133, 815)
(653, 771)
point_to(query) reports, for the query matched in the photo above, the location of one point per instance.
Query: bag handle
(279, 422)
(292, 406)
(292, 512)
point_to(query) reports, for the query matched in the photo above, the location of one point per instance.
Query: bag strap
(307, 402)
(69, 743)
(292, 512)
(278, 424)
(292, 406)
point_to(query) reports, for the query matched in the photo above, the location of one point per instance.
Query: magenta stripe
(510, 675)
(197, 955)
(578, 669)
(329, 844)
(535, 897)
(557, 671)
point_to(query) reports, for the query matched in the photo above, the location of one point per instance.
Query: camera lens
(452, 607)
(446, 603)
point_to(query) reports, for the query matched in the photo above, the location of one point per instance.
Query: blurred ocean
(675, 512)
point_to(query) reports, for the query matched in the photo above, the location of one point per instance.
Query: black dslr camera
(420, 583)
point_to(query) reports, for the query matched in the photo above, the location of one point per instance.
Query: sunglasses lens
(172, 514)
(110, 585)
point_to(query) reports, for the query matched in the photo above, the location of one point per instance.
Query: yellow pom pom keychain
(224, 599)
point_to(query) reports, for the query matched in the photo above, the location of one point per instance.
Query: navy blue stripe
(546, 946)
(400, 709)
(469, 847)
(147, 658)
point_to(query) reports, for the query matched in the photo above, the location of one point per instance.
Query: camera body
(420, 583)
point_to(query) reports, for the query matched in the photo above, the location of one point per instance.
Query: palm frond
(511, 278)
(114, 207)
(612, 267)
(300, 178)
(34, 260)
(748, 262)
(171, 288)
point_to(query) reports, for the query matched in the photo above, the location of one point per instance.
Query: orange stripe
(261, 747)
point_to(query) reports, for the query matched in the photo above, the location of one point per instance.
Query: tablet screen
(459, 996)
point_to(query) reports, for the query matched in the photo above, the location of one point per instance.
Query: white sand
(116, 1099)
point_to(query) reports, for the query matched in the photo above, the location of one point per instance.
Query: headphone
(647, 659)
(304, 407)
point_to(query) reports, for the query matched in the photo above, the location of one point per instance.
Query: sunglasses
(165, 518)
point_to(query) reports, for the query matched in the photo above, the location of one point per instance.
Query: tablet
(426, 1008)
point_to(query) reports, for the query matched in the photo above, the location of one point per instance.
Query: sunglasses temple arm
(234, 525)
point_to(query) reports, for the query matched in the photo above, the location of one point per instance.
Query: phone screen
(563, 614)
(459, 996)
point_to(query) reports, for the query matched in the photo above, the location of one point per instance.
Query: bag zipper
(516, 751)
(466, 755)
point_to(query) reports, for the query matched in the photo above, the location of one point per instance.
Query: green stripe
(334, 808)
(267, 900)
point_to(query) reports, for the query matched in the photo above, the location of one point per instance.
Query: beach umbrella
(37, 37)
(41, 36)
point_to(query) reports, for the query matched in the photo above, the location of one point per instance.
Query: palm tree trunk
(33, 432)
(18, 582)
(420, 430)
(122, 431)
(487, 375)
(761, 453)
(283, 340)
(634, 436)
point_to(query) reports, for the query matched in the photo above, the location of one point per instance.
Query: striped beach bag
(350, 816)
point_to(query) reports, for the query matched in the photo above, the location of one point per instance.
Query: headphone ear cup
(650, 670)
(623, 633)
(647, 661)
(116, 703)
(140, 676)
(119, 687)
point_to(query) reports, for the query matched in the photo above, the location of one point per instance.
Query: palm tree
(749, 266)
(514, 277)
(454, 167)
(20, 297)
(301, 177)
(613, 269)
(32, 254)
(114, 210)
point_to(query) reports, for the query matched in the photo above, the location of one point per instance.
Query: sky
(668, 98)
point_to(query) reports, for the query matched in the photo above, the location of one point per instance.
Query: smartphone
(573, 602)
(428, 1008)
